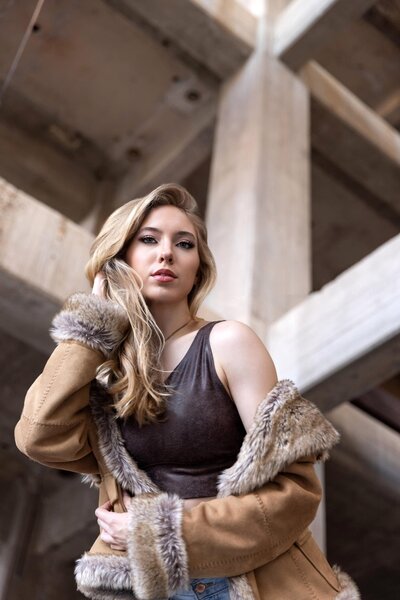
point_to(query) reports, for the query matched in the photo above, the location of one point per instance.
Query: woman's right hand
(98, 284)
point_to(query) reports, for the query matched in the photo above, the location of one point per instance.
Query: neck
(170, 318)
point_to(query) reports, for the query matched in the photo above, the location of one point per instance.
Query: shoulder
(245, 365)
(228, 336)
(238, 348)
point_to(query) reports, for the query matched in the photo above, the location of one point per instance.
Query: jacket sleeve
(55, 427)
(167, 546)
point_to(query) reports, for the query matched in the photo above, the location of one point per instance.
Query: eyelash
(150, 237)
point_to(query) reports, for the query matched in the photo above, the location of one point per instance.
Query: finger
(107, 538)
(103, 514)
(117, 547)
(104, 526)
(126, 500)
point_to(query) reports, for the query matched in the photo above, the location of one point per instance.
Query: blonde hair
(133, 374)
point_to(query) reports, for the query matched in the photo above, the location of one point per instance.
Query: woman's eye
(148, 239)
(186, 244)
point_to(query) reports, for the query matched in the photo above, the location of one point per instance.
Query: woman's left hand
(113, 526)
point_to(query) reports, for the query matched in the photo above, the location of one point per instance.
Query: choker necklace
(179, 328)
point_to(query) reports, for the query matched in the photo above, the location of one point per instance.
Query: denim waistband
(213, 588)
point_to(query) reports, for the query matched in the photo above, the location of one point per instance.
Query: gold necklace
(179, 328)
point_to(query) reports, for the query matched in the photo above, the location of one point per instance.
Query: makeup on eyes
(149, 238)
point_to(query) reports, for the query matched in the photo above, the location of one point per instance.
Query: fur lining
(349, 590)
(112, 447)
(286, 427)
(239, 588)
(91, 320)
(156, 550)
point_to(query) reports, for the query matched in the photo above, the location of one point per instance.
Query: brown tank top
(202, 431)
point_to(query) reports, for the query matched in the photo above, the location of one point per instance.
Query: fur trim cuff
(98, 323)
(103, 577)
(286, 427)
(156, 549)
(349, 590)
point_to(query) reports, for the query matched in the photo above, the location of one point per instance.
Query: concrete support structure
(258, 212)
(366, 147)
(272, 110)
(303, 27)
(344, 339)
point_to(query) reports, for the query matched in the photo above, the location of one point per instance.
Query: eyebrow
(178, 233)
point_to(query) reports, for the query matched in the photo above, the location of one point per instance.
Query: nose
(166, 253)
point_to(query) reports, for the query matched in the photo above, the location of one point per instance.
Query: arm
(55, 425)
(233, 535)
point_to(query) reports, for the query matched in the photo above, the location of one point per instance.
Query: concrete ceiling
(92, 95)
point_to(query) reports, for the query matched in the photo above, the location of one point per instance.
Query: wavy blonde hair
(133, 374)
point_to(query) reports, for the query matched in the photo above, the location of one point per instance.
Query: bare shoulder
(228, 336)
(244, 366)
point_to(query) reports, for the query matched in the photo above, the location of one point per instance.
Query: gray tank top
(202, 431)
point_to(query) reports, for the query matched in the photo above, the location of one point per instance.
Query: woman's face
(165, 254)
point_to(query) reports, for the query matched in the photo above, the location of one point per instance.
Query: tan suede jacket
(255, 532)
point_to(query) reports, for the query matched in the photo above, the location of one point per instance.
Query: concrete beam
(353, 136)
(368, 442)
(42, 257)
(344, 339)
(64, 183)
(175, 157)
(218, 35)
(303, 27)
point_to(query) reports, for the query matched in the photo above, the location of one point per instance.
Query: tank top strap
(206, 329)
(201, 342)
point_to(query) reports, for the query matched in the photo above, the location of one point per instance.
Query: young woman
(204, 460)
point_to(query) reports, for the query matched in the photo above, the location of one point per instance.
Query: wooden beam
(42, 257)
(259, 201)
(304, 27)
(353, 136)
(344, 339)
(218, 35)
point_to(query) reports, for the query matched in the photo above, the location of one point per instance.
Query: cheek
(136, 257)
(194, 265)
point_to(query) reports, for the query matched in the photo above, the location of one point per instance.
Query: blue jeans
(215, 588)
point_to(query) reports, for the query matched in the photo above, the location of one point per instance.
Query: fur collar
(285, 428)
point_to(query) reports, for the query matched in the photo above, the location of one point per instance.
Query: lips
(166, 272)
(164, 276)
